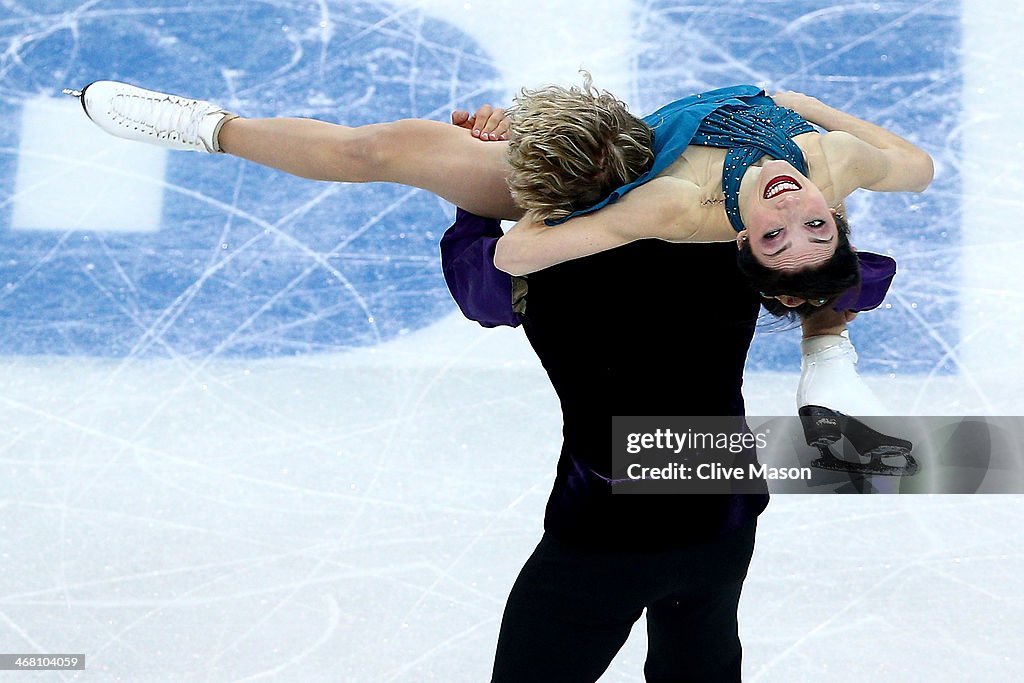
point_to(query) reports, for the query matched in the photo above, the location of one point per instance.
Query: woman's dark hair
(827, 281)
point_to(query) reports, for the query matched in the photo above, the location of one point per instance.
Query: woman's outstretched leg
(444, 159)
(437, 157)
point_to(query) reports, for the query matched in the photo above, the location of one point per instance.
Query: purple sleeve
(483, 292)
(876, 273)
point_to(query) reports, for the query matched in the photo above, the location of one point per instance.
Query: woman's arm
(664, 208)
(868, 155)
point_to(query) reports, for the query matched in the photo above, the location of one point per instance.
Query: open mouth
(780, 185)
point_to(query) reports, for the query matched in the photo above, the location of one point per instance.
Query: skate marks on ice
(183, 517)
(364, 519)
(891, 588)
(251, 262)
(231, 259)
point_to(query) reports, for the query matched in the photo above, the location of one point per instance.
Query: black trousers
(572, 608)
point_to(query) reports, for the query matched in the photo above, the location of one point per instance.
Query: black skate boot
(823, 428)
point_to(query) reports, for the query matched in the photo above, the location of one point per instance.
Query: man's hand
(488, 123)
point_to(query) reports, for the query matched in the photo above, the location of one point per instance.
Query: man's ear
(741, 237)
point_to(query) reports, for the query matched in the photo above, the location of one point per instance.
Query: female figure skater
(693, 171)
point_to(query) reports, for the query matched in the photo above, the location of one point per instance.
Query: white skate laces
(829, 377)
(157, 118)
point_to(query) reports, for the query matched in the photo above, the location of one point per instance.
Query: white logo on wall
(73, 176)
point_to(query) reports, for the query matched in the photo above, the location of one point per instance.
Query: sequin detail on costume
(749, 133)
(740, 118)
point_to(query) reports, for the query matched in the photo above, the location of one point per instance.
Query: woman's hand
(802, 104)
(488, 123)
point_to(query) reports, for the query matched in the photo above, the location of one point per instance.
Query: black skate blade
(829, 461)
(80, 94)
(888, 451)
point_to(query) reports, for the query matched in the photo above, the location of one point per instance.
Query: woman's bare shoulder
(839, 145)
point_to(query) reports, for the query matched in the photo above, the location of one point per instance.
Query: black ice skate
(823, 427)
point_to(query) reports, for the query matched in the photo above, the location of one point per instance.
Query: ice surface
(257, 444)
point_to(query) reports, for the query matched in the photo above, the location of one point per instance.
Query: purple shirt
(483, 292)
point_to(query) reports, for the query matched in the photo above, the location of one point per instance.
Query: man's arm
(483, 292)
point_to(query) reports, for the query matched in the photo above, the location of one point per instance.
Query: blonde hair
(570, 147)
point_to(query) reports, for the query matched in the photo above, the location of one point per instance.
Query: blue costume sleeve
(483, 292)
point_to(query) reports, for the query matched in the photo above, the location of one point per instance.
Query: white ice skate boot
(831, 397)
(157, 118)
(829, 377)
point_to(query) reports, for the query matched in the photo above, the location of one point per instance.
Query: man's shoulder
(646, 261)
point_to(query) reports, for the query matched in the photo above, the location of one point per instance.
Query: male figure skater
(617, 336)
(651, 328)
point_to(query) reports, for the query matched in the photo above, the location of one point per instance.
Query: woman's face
(789, 223)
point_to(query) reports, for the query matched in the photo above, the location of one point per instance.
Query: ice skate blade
(888, 451)
(829, 461)
(72, 93)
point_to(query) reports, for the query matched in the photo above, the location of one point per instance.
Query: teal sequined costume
(740, 119)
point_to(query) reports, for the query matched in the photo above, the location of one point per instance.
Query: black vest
(651, 328)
